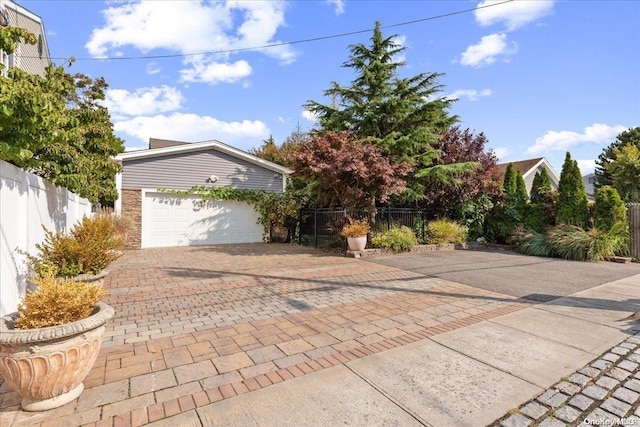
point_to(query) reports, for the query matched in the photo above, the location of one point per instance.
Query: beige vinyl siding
(29, 58)
(184, 170)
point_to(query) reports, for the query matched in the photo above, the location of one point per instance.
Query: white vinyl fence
(28, 202)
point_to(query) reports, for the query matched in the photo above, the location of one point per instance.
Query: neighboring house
(528, 169)
(589, 184)
(163, 219)
(31, 58)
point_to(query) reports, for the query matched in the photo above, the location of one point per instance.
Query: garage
(170, 220)
(162, 219)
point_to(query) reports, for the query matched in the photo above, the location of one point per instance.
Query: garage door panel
(183, 221)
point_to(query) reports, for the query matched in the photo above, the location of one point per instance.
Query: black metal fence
(320, 228)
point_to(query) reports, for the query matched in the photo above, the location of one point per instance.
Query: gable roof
(528, 166)
(167, 148)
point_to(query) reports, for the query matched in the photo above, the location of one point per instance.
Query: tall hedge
(572, 200)
(609, 209)
(540, 181)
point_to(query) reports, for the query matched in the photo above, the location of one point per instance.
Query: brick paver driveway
(200, 324)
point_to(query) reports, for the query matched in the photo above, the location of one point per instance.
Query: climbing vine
(274, 209)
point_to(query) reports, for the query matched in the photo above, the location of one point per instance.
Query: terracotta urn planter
(279, 234)
(46, 366)
(96, 279)
(357, 244)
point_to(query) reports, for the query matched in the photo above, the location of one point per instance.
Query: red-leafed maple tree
(342, 171)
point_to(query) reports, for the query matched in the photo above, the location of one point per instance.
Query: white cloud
(598, 133)
(339, 6)
(470, 94)
(501, 152)
(514, 14)
(136, 147)
(192, 27)
(143, 101)
(207, 71)
(586, 166)
(309, 116)
(153, 68)
(488, 50)
(193, 128)
(400, 41)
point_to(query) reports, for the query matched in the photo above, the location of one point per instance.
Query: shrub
(57, 302)
(542, 213)
(609, 209)
(574, 243)
(444, 231)
(87, 249)
(355, 228)
(535, 244)
(500, 222)
(396, 239)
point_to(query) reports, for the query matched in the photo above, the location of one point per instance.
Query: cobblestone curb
(605, 392)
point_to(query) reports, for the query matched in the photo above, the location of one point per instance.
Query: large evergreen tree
(609, 155)
(401, 116)
(572, 198)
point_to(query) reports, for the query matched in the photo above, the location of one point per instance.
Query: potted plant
(50, 344)
(279, 210)
(84, 253)
(356, 233)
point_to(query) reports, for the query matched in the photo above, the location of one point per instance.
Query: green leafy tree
(55, 126)
(401, 116)
(609, 155)
(625, 172)
(572, 198)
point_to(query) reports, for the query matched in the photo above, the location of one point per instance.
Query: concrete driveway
(271, 334)
(510, 273)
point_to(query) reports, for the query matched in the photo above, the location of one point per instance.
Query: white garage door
(169, 220)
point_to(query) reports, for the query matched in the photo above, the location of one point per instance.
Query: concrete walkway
(279, 335)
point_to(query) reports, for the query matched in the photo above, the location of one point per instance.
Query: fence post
(633, 214)
(422, 222)
(315, 228)
(388, 219)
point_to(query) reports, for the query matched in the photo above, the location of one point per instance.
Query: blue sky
(538, 77)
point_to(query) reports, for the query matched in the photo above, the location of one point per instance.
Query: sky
(537, 77)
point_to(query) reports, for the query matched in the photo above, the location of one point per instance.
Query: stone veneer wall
(132, 207)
